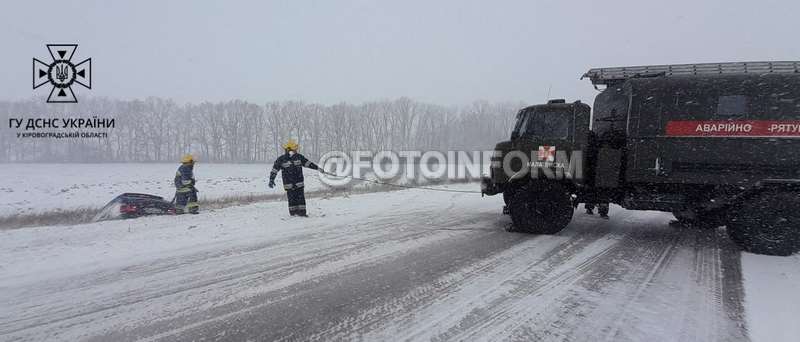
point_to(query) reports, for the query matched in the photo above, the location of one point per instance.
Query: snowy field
(404, 265)
(36, 188)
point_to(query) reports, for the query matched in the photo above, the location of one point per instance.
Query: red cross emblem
(547, 153)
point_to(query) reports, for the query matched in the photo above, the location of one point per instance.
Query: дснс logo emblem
(62, 73)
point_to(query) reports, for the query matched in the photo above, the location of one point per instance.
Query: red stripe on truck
(735, 128)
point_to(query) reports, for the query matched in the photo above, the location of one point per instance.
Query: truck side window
(732, 106)
(522, 122)
(611, 110)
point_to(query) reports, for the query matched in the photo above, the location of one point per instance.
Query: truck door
(647, 108)
(609, 127)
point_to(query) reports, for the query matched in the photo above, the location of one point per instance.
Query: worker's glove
(325, 172)
(271, 184)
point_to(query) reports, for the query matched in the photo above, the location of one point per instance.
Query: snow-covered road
(384, 266)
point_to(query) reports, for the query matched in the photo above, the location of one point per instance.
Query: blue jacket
(184, 178)
(291, 167)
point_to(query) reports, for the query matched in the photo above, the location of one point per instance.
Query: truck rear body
(732, 130)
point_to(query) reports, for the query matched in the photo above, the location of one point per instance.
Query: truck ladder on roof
(618, 74)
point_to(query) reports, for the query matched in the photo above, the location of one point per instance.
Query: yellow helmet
(291, 145)
(186, 159)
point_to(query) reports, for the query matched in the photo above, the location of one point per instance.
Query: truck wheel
(541, 208)
(767, 224)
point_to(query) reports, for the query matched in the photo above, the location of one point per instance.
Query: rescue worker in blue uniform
(291, 164)
(185, 192)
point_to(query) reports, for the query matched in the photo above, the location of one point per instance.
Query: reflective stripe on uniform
(275, 171)
(293, 186)
(286, 164)
(183, 190)
(297, 162)
(186, 182)
(308, 163)
(300, 207)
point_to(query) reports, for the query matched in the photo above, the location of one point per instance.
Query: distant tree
(159, 130)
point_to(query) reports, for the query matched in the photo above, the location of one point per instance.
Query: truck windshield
(543, 124)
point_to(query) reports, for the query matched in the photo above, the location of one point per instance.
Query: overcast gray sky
(447, 52)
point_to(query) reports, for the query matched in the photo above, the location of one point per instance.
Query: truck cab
(548, 134)
(542, 159)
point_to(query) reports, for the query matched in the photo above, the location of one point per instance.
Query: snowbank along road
(405, 265)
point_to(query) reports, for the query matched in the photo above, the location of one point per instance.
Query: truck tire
(767, 224)
(540, 208)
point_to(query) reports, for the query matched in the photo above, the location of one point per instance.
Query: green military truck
(713, 143)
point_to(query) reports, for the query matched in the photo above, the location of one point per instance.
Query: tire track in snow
(676, 295)
(423, 296)
(420, 274)
(538, 250)
(276, 268)
(285, 315)
(532, 291)
(54, 305)
(603, 293)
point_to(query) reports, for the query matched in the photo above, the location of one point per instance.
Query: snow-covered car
(131, 205)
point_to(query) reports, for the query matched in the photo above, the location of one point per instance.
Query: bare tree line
(160, 130)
